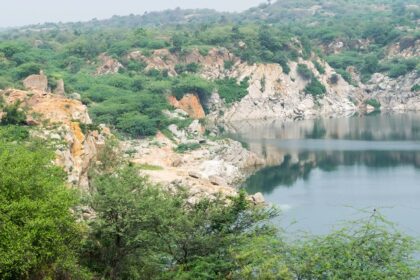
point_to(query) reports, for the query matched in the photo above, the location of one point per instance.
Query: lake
(325, 171)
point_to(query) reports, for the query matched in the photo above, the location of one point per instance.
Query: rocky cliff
(274, 94)
(64, 123)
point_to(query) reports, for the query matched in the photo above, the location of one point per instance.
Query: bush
(188, 68)
(230, 91)
(193, 84)
(398, 70)
(13, 115)
(334, 79)
(345, 75)
(136, 124)
(415, 88)
(39, 236)
(5, 83)
(401, 67)
(12, 133)
(374, 103)
(367, 249)
(284, 63)
(304, 71)
(315, 88)
(228, 64)
(26, 70)
(319, 67)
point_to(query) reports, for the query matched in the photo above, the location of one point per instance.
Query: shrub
(228, 64)
(319, 67)
(315, 88)
(5, 83)
(193, 84)
(27, 69)
(136, 124)
(230, 91)
(304, 71)
(345, 75)
(11, 133)
(334, 79)
(189, 68)
(374, 103)
(283, 61)
(398, 70)
(39, 236)
(13, 115)
(415, 88)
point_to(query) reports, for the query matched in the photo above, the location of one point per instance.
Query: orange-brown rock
(61, 119)
(191, 104)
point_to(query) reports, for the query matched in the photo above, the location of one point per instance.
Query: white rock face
(274, 94)
(395, 94)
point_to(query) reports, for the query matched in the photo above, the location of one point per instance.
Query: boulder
(59, 89)
(189, 103)
(36, 82)
(258, 198)
(108, 65)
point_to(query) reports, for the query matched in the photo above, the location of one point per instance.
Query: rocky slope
(59, 120)
(211, 168)
(208, 168)
(275, 94)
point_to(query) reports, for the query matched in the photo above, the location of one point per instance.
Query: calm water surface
(323, 171)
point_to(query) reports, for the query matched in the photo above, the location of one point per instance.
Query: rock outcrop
(59, 89)
(211, 168)
(108, 65)
(274, 94)
(407, 48)
(189, 103)
(36, 82)
(395, 94)
(61, 121)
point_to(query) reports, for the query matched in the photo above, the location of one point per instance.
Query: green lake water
(326, 171)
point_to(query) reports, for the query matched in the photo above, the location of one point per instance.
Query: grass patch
(182, 148)
(149, 167)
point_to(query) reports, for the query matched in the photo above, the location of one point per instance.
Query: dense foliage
(39, 236)
(141, 231)
(276, 32)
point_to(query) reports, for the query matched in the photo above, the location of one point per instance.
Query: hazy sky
(22, 12)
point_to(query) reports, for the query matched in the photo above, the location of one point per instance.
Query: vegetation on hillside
(141, 231)
(278, 32)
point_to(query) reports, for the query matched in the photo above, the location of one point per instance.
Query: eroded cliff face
(275, 94)
(59, 120)
(395, 94)
(190, 103)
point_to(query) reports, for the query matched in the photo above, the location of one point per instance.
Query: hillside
(114, 151)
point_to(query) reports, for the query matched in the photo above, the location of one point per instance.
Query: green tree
(144, 233)
(366, 249)
(39, 236)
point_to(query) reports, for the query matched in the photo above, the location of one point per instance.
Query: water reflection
(294, 149)
(318, 168)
